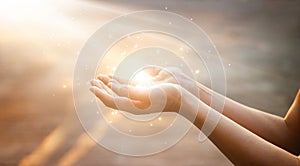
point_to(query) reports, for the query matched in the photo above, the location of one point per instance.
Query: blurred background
(258, 41)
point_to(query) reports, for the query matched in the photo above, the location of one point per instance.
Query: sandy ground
(39, 43)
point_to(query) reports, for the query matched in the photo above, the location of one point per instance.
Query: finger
(104, 78)
(120, 103)
(132, 92)
(106, 98)
(152, 70)
(101, 85)
(96, 83)
(119, 89)
(167, 73)
(120, 80)
(162, 75)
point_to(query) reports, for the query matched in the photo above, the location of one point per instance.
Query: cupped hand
(173, 75)
(137, 100)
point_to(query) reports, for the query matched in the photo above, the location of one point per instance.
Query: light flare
(142, 79)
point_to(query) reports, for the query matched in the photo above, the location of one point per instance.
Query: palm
(137, 100)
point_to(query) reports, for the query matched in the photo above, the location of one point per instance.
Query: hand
(173, 75)
(137, 100)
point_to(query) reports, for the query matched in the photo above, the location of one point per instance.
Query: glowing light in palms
(142, 79)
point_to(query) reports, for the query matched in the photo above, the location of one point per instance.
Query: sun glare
(142, 79)
(20, 9)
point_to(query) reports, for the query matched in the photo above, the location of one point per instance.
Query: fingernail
(92, 89)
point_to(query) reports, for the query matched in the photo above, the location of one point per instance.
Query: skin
(245, 135)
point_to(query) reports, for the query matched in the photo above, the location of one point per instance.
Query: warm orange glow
(142, 79)
(18, 10)
(82, 146)
(47, 148)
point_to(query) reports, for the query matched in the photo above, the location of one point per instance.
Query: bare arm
(240, 145)
(283, 132)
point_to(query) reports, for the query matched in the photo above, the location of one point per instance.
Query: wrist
(191, 107)
(196, 108)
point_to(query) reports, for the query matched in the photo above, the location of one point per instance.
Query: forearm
(241, 146)
(270, 127)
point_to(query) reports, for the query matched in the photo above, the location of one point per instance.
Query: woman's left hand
(137, 100)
